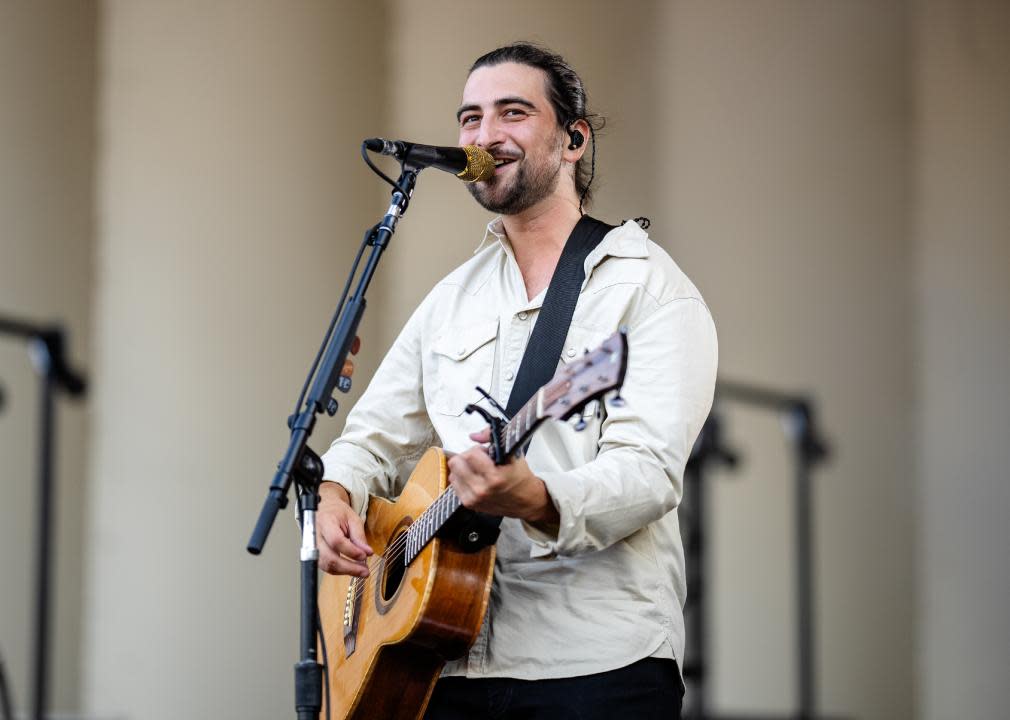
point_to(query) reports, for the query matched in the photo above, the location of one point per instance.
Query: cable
(369, 235)
(336, 316)
(592, 171)
(377, 171)
(326, 661)
(5, 699)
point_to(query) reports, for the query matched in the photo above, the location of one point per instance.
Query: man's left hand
(511, 490)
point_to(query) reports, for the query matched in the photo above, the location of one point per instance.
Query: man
(585, 617)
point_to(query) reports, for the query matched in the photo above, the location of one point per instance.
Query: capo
(496, 423)
(494, 403)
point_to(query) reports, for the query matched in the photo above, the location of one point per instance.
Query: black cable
(5, 698)
(347, 286)
(333, 321)
(326, 661)
(377, 171)
(592, 170)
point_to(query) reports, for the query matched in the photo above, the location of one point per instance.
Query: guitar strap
(540, 361)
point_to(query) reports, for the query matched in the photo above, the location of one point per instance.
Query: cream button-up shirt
(609, 588)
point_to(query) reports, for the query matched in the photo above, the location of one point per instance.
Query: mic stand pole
(46, 350)
(304, 467)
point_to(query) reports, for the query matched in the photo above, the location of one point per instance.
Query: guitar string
(397, 548)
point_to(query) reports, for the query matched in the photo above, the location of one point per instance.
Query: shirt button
(523, 316)
(509, 375)
(571, 352)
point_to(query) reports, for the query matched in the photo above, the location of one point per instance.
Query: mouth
(502, 162)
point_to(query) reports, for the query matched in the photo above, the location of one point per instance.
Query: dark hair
(566, 94)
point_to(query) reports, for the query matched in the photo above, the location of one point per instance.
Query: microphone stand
(46, 347)
(304, 467)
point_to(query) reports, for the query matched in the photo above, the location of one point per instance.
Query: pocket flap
(458, 343)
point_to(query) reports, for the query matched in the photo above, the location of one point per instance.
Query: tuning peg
(581, 424)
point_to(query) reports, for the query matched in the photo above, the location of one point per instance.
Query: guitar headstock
(590, 377)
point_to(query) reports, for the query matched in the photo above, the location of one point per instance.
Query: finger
(356, 534)
(337, 565)
(478, 460)
(335, 538)
(482, 437)
(346, 546)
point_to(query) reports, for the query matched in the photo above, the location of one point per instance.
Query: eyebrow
(498, 103)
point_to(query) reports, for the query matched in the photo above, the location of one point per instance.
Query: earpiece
(577, 139)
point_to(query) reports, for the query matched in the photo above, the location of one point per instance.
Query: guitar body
(389, 635)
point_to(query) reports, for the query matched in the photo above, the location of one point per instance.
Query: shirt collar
(627, 240)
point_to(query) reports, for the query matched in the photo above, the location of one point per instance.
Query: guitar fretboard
(427, 525)
(569, 391)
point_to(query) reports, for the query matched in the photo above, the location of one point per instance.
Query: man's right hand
(340, 533)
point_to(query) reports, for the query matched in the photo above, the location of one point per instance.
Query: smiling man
(585, 617)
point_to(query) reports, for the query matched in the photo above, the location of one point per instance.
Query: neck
(538, 236)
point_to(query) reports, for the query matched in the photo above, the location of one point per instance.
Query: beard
(528, 186)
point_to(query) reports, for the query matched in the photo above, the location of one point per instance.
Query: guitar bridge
(352, 609)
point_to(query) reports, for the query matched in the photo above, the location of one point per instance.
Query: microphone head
(479, 165)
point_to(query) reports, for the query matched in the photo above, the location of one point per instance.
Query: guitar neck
(513, 434)
(566, 394)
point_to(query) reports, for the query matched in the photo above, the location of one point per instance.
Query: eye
(468, 120)
(514, 113)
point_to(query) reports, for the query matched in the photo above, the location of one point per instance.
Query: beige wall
(828, 173)
(787, 202)
(229, 201)
(962, 290)
(46, 140)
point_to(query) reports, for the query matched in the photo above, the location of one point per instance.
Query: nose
(489, 134)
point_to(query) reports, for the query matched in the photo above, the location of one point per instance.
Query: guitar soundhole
(393, 569)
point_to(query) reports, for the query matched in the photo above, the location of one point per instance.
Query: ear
(577, 138)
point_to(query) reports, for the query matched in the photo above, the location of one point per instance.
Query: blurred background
(180, 185)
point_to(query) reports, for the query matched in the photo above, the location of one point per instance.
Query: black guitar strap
(540, 361)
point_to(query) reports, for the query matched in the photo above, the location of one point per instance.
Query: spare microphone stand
(708, 450)
(46, 347)
(809, 449)
(304, 467)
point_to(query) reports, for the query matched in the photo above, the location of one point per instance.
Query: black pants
(649, 689)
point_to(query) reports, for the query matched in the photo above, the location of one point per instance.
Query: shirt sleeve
(388, 429)
(637, 476)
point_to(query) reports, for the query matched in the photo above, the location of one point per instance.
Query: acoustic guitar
(389, 635)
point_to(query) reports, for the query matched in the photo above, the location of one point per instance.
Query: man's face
(505, 110)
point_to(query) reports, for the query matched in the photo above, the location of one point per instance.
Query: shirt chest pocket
(461, 358)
